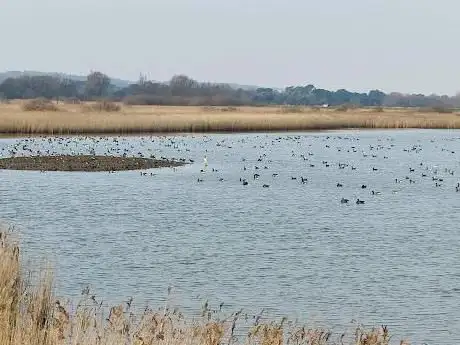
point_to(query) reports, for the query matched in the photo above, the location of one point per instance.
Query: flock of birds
(260, 162)
(421, 171)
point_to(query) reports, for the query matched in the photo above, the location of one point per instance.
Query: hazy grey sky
(394, 45)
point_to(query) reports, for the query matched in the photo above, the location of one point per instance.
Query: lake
(290, 248)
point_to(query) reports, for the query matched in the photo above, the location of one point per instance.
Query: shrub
(39, 104)
(289, 109)
(346, 107)
(208, 108)
(102, 106)
(229, 109)
(71, 100)
(342, 108)
(440, 109)
(141, 100)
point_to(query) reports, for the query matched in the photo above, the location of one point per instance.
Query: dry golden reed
(30, 314)
(39, 104)
(101, 106)
(82, 119)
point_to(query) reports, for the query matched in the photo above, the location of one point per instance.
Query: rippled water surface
(293, 249)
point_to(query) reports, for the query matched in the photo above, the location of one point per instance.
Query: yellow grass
(76, 119)
(31, 315)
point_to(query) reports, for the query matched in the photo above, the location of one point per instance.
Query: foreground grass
(77, 119)
(31, 315)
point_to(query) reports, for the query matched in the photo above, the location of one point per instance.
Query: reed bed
(30, 314)
(76, 119)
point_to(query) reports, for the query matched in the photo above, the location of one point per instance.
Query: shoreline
(20, 135)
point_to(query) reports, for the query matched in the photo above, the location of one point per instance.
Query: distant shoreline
(81, 119)
(172, 134)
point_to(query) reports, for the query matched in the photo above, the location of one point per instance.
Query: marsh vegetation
(99, 117)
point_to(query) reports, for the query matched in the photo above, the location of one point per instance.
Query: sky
(409, 46)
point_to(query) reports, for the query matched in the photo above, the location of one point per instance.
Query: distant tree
(12, 88)
(376, 98)
(265, 96)
(342, 96)
(183, 90)
(300, 95)
(323, 96)
(181, 85)
(97, 85)
(36, 86)
(68, 88)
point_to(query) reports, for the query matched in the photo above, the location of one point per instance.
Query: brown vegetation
(73, 119)
(101, 106)
(30, 314)
(84, 163)
(39, 104)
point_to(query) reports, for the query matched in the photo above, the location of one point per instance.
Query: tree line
(183, 90)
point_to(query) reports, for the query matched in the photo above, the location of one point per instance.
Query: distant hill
(244, 87)
(14, 74)
(120, 83)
